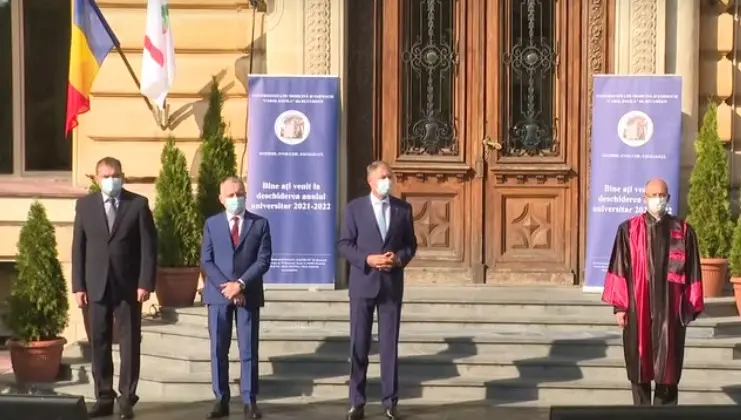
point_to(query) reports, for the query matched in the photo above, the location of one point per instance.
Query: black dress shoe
(252, 412)
(125, 409)
(356, 413)
(392, 414)
(100, 409)
(220, 410)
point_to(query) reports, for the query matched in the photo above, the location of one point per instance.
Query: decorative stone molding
(597, 52)
(317, 30)
(643, 36)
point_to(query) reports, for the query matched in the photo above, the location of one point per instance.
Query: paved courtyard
(336, 411)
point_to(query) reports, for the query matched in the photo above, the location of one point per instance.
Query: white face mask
(657, 205)
(383, 186)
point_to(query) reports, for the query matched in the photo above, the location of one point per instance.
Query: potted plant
(708, 204)
(178, 243)
(735, 264)
(38, 303)
(218, 157)
(92, 189)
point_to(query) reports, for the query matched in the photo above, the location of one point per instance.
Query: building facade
(481, 106)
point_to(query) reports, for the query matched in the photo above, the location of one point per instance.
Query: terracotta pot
(177, 286)
(714, 276)
(36, 361)
(86, 320)
(737, 292)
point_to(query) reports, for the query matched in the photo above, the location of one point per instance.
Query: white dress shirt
(377, 204)
(240, 219)
(107, 204)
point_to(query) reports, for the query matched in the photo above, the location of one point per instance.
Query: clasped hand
(383, 262)
(233, 291)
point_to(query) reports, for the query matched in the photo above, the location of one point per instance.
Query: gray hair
(233, 180)
(375, 165)
(110, 162)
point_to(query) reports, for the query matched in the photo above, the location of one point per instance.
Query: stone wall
(222, 38)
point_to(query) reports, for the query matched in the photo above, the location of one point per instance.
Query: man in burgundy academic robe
(654, 284)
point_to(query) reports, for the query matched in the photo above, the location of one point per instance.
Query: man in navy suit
(235, 254)
(377, 239)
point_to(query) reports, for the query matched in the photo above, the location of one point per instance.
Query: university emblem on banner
(635, 128)
(292, 127)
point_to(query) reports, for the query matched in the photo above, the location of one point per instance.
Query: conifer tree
(218, 155)
(38, 308)
(175, 213)
(708, 203)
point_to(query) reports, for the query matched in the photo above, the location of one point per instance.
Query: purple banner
(636, 136)
(293, 135)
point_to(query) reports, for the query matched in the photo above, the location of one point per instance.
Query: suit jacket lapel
(124, 202)
(371, 215)
(247, 223)
(223, 226)
(99, 213)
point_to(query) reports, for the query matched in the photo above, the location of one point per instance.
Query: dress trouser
(128, 319)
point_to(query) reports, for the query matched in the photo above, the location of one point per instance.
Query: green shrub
(218, 156)
(735, 258)
(708, 203)
(94, 187)
(38, 306)
(175, 213)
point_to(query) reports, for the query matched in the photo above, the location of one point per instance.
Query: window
(6, 90)
(34, 62)
(428, 77)
(529, 84)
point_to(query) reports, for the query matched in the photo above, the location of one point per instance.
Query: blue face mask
(234, 205)
(111, 186)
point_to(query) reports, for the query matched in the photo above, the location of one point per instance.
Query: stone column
(683, 59)
(639, 36)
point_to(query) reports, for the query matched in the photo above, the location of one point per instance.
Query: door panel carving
(438, 218)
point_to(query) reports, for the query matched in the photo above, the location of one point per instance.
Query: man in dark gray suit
(377, 239)
(114, 265)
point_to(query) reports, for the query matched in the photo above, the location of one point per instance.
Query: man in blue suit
(235, 254)
(377, 239)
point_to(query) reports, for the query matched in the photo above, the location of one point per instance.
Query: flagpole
(157, 114)
(254, 4)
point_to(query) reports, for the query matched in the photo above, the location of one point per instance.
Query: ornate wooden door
(431, 124)
(482, 110)
(535, 84)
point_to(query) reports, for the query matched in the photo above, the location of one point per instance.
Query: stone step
(708, 327)
(196, 360)
(471, 301)
(179, 386)
(521, 345)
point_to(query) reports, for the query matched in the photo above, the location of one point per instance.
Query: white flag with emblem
(158, 59)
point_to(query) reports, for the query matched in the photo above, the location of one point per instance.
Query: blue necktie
(382, 221)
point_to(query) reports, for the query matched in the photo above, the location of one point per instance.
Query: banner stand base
(593, 289)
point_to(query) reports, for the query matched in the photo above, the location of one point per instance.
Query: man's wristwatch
(241, 284)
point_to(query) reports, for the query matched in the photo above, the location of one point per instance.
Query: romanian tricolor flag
(92, 40)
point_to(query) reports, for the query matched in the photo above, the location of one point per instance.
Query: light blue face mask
(383, 186)
(111, 186)
(235, 205)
